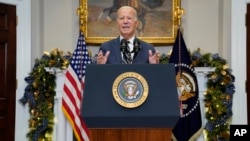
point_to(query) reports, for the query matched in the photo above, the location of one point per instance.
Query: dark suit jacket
(115, 56)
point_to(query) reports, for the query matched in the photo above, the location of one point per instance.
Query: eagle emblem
(130, 89)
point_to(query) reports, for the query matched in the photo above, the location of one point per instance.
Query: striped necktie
(128, 54)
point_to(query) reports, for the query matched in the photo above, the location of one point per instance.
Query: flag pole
(179, 11)
(82, 13)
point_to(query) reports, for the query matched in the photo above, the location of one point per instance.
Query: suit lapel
(135, 60)
(116, 47)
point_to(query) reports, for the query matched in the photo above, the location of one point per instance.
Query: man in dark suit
(127, 48)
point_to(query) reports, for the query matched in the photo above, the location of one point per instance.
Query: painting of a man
(155, 17)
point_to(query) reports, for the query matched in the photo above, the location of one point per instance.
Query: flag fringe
(71, 123)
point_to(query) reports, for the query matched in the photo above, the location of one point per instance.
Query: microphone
(137, 47)
(125, 51)
(123, 46)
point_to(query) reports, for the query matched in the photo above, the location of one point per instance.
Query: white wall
(37, 29)
(201, 25)
(238, 58)
(60, 24)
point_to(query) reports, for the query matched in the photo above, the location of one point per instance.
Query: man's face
(126, 22)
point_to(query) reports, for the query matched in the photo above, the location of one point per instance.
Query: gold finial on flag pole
(82, 13)
(178, 12)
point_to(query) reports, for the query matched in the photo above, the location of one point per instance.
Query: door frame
(238, 61)
(23, 11)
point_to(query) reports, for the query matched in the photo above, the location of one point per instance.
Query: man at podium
(130, 105)
(127, 48)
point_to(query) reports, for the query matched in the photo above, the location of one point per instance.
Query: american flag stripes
(74, 87)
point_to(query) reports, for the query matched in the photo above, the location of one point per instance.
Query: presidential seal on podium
(130, 89)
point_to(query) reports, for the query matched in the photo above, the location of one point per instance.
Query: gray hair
(128, 7)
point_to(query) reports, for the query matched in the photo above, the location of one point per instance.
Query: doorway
(248, 61)
(7, 71)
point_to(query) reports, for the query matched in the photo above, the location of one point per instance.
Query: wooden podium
(131, 134)
(110, 121)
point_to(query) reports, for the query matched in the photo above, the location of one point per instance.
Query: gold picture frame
(159, 18)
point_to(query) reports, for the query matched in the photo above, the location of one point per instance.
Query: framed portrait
(158, 21)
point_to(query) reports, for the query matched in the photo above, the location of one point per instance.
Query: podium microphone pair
(125, 49)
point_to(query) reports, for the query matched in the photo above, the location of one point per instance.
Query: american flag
(73, 89)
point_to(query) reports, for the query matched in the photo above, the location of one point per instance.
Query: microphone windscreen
(123, 45)
(137, 45)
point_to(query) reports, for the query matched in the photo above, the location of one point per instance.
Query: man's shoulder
(145, 43)
(110, 42)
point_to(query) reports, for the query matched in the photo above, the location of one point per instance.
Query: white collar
(131, 40)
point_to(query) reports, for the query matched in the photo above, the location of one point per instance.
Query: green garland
(40, 92)
(218, 96)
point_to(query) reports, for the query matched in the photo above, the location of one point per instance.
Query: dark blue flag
(189, 123)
